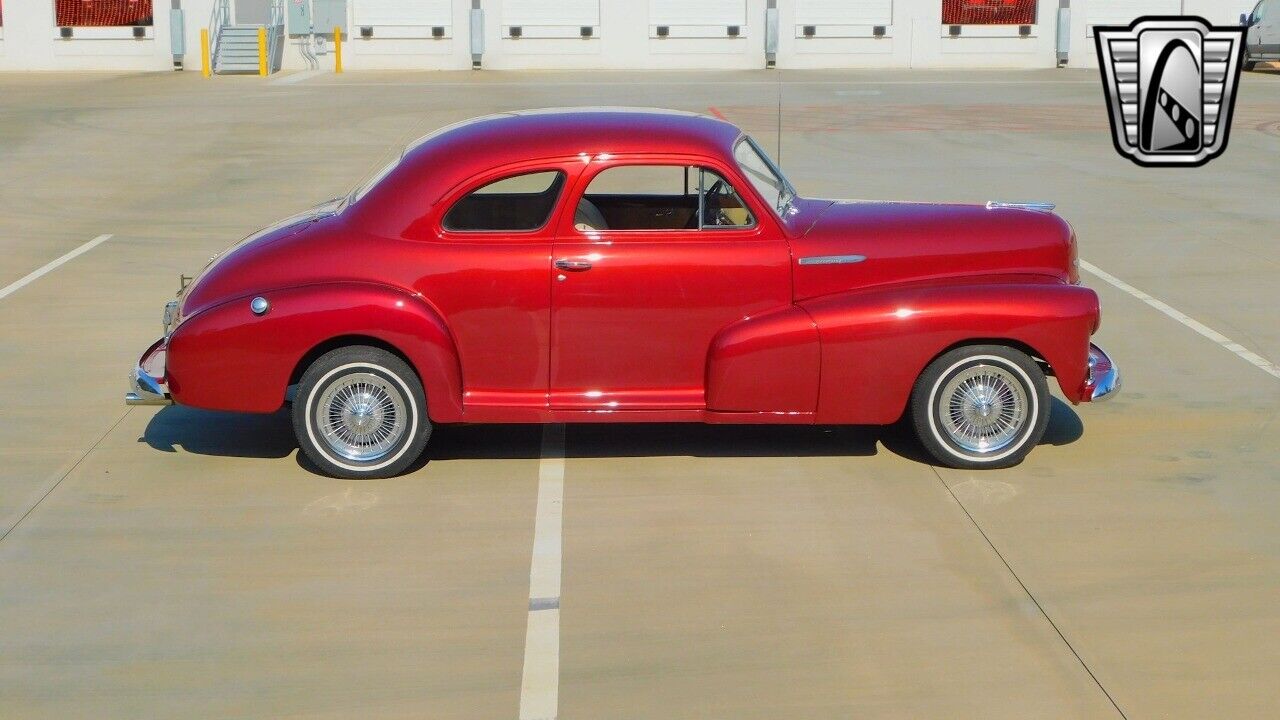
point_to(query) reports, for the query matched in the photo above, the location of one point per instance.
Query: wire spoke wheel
(982, 408)
(361, 416)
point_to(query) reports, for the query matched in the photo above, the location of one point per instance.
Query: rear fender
(876, 343)
(227, 358)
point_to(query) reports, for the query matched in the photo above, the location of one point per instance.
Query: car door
(488, 277)
(659, 256)
(1268, 26)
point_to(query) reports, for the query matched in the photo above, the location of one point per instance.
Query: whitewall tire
(360, 412)
(980, 406)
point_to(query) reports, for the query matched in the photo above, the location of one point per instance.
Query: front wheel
(981, 406)
(360, 412)
(1250, 64)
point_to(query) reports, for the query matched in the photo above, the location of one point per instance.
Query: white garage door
(543, 13)
(678, 13)
(844, 12)
(403, 13)
(1123, 12)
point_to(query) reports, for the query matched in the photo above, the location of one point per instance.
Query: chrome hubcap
(361, 416)
(983, 408)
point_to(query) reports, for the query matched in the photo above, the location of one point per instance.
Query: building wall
(623, 39)
(917, 38)
(29, 41)
(1084, 54)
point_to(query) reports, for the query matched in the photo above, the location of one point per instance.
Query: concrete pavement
(178, 563)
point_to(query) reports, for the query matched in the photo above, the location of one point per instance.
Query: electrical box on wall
(298, 21)
(330, 14)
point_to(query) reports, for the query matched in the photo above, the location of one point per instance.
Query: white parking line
(540, 684)
(17, 285)
(1246, 354)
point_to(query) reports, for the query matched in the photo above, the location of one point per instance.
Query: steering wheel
(712, 214)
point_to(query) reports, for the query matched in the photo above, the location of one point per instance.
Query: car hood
(227, 275)
(858, 244)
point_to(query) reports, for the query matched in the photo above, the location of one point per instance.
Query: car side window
(722, 206)
(516, 203)
(1258, 11)
(660, 197)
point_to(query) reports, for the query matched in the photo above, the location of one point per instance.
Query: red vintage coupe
(616, 265)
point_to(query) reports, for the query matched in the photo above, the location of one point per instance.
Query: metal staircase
(235, 47)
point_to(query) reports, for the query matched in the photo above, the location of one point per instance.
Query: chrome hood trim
(1044, 207)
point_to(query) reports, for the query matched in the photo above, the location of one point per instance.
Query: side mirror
(1244, 19)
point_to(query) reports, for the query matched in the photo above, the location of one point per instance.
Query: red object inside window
(102, 13)
(988, 12)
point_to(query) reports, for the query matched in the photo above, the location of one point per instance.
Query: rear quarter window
(516, 203)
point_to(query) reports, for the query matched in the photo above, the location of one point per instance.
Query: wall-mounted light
(954, 31)
(810, 30)
(663, 31)
(437, 31)
(586, 31)
(878, 31)
(734, 31)
(515, 31)
(139, 32)
(1024, 30)
(64, 33)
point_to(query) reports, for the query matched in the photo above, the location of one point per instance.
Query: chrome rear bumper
(1104, 376)
(146, 390)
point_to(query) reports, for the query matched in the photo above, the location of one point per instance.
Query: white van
(1263, 40)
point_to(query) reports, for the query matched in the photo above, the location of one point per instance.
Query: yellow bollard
(337, 49)
(204, 52)
(262, 51)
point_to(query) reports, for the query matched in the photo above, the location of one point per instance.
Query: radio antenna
(779, 153)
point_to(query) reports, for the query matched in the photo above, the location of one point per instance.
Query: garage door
(403, 13)
(841, 18)
(1123, 12)
(704, 18)
(540, 18)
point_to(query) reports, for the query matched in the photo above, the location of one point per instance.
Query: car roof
(557, 132)
(436, 163)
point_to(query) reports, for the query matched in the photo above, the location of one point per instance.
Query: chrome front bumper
(1104, 376)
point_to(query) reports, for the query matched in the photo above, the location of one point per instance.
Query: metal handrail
(219, 18)
(275, 33)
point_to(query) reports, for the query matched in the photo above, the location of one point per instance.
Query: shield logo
(1170, 84)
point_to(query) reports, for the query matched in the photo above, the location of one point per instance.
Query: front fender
(227, 358)
(876, 343)
(766, 363)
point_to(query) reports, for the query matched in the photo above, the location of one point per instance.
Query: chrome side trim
(832, 259)
(1034, 206)
(1104, 376)
(145, 390)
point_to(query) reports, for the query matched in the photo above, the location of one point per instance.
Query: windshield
(763, 174)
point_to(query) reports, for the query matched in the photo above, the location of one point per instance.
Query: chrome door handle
(573, 265)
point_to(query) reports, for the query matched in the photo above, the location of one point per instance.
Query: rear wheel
(1250, 64)
(980, 406)
(360, 412)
